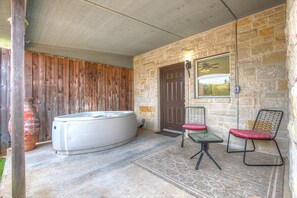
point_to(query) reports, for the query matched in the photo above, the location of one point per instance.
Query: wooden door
(172, 99)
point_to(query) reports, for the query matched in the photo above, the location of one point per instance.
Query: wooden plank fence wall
(61, 86)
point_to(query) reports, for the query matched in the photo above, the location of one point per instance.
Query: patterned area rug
(174, 165)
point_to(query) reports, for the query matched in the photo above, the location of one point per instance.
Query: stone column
(291, 36)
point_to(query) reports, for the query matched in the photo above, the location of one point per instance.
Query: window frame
(197, 78)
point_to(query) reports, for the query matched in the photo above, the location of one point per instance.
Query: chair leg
(228, 151)
(183, 138)
(228, 143)
(244, 155)
(253, 145)
(279, 153)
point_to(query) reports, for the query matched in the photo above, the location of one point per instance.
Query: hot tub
(92, 131)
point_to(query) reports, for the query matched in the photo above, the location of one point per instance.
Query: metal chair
(195, 120)
(265, 128)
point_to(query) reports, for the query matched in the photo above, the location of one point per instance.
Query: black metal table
(204, 139)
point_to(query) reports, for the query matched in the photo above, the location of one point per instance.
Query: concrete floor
(109, 173)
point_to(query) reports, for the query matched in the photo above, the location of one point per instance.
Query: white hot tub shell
(92, 131)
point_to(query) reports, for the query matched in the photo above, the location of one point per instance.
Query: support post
(4, 100)
(17, 97)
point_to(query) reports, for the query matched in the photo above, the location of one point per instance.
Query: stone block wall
(261, 68)
(291, 36)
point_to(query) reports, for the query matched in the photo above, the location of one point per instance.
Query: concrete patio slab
(109, 173)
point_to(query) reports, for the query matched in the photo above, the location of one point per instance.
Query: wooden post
(4, 99)
(17, 97)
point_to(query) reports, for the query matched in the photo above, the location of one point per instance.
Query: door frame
(162, 86)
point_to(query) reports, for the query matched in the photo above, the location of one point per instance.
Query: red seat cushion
(195, 127)
(250, 134)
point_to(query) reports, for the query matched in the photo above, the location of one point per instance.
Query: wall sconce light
(188, 62)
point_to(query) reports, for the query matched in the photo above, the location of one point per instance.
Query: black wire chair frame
(267, 122)
(194, 115)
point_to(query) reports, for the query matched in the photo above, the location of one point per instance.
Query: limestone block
(229, 123)
(251, 62)
(146, 109)
(251, 86)
(279, 38)
(222, 112)
(211, 120)
(273, 103)
(255, 40)
(275, 94)
(244, 53)
(271, 72)
(210, 38)
(245, 112)
(267, 31)
(244, 21)
(249, 72)
(279, 29)
(228, 120)
(269, 146)
(280, 45)
(136, 61)
(197, 101)
(201, 53)
(250, 124)
(277, 18)
(262, 48)
(247, 93)
(265, 39)
(259, 22)
(282, 132)
(275, 57)
(199, 39)
(150, 125)
(244, 28)
(246, 101)
(248, 35)
(143, 60)
(221, 46)
(282, 85)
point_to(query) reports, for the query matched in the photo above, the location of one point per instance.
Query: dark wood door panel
(180, 95)
(172, 97)
(179, 116)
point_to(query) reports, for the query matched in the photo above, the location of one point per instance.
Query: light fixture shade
(188, 57)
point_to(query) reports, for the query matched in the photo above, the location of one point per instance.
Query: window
(213, 77)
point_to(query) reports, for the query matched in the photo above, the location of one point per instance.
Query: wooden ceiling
(113, 31)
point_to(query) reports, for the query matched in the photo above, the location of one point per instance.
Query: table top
(205, 137)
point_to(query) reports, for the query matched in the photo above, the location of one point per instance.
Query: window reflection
(213, 76)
